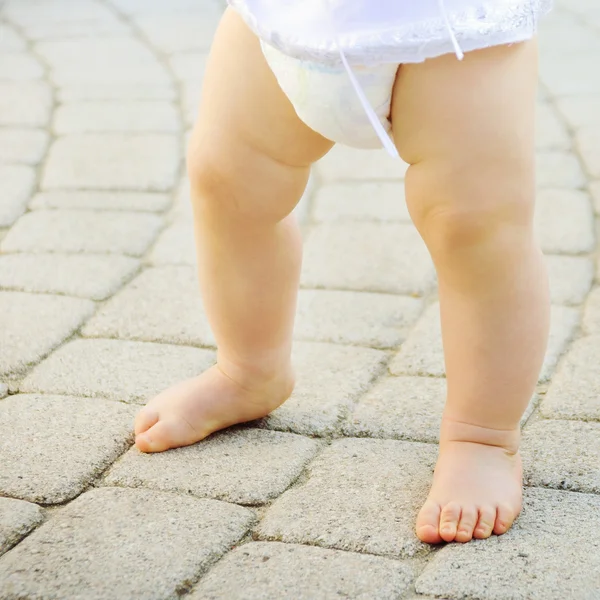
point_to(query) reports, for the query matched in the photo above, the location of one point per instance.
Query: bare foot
(477, 485)
(193, 409)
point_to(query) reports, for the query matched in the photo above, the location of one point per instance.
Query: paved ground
(99, 310)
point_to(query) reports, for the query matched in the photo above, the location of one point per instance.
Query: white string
(457, 50)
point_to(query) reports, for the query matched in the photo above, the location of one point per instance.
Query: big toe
(427, 527)
(160, 437)
(145, 419)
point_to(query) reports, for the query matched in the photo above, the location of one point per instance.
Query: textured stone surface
(105, 116)
(591, 314)
(570, 77)
(556, 169)
(75, 92)
(10, 40)
(149, 202)
(82, 231)
(124, 371)
(189, 66)
(145, 162)
(588, 142)
(33, 324)
(551, 134)
(22, 145)
(383, 201)
(595, 191)
(574, 391)
(76, 29)
(570, 278)
(245, 466)
(563, 455)
(16, 184)
(376, 257)
(329, 379)
(19, 66)
(361, 318)
(25, 103)
(175, 246)
(579, 111)
(272, 571)
(348, 163)
(55, 12)
(17, 519)
(565, 222)
(361, 495)
(551, 553)
(3, 390)
(53, 446)
(408, 408)
(161, 305)
(140, 543)
(92, 276)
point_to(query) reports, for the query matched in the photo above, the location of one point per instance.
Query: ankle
(457, 430)
(255, 375)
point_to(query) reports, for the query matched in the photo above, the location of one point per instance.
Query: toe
(485, 524)
(466, 525)
(505, 515)
(427, 527)
(449, 518)
(158, 438)
(144, 420)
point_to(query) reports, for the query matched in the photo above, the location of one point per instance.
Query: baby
(287, 79)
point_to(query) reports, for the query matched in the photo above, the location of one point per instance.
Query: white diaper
(326, 100)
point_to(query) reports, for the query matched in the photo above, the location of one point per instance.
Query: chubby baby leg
(248, 162)
(466, 128)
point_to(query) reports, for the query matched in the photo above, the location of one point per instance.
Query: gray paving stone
(76, 29)
(574, 391)
(406, 408)
(422, 352)
(190, 99)
(246, 466)
(33, 324)
(83, 231)
(125, 371)
(595, 191)
(17, 518)
(329, 379)
(360, 318)
(563, 455)
(345, 163)
(569, 75)
(20, 66)
(182, 205)
(591, 314)
(22, 146)
(360, 201)
(551, 553)
(374, 257)
(149, 202)
(146, 162)
(78, 92)
(10, 40)
(570, 278)
(551, 134)
(158, 7)
(555, 169)
(52, 446)
(272, 571)
(149, 116)
(3, 390)
(189, 66)
(161, 305)
(25, 103)
(361, 495)
(16, 184)
(175, 246)
(141, 543)
(30, 13)
(92, 276)
(588, 142)
(579, 111)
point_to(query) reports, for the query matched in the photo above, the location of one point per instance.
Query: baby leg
(466, 128)
(248, 162)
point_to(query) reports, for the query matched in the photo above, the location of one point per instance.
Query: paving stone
(53, 446)
(83, 231)
(22, 146)
(182, 205)
(116, 200)
(76, 29)
(125, 371)
(175, 246)
(3, 390)
(360, 201)
(272, 571)
(17, 518)
(25, 103)
(329, 379)
(361, 495)
(374, 257)
(32, 12)
(141, 543)
(190, 99)
(563, 455)
(247, 466)
(33, 324)
(551, 553)
(111, 161)
(591, 314)
(92, 276)
(570, 75)
(422, 352)
(570, 278)
(556, 169)
(158, 7)
(154, 116)
(595, 191)
(361, 318)
(348, 163)
(16, 184)
(588, 142)
(189, 66)
(10, 40)
(161, 305)
(406, 408)
(574, 391)
(580, 111)
(565, 222)
(20, 66)
(76, 92)
(551, 134)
